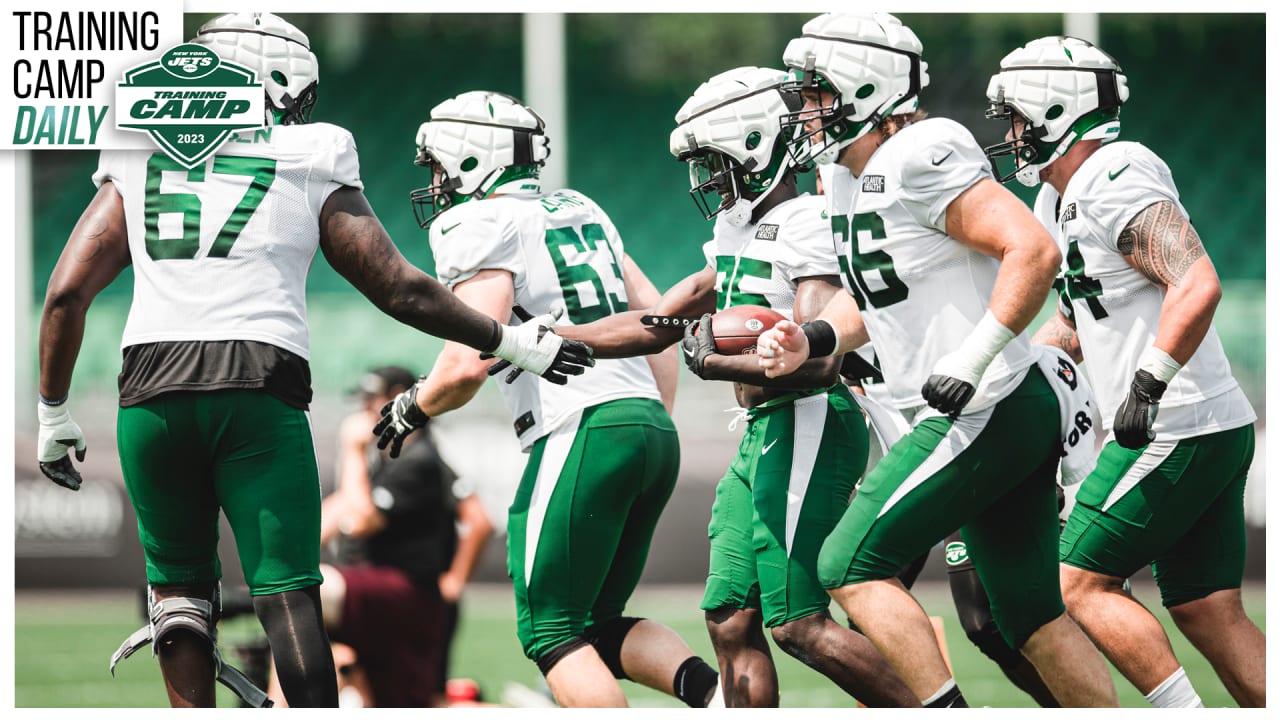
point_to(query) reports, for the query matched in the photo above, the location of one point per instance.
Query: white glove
(532, 346)
(59, 433)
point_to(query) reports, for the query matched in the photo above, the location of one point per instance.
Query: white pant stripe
(810, 419)
(964, 431)
(1150, 459)
(559, 442)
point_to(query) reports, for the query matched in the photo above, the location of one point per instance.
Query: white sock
(1175, 692)
(717, 696)
(946, 687)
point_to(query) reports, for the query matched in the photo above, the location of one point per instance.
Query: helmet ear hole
(865, 91)
(279, 77)
(1054, 112)
(753, 140)
(470, 164)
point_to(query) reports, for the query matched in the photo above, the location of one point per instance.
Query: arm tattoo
(91, 245)
(1057, 333)
(1162, 243)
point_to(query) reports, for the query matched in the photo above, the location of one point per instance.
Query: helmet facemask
(727, 132)
(720, 185)
(477, 144)
(1055, 91)
(870, 66)
(428, 202)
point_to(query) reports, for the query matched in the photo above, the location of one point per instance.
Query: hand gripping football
(736, 329)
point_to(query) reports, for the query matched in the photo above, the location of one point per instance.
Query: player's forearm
(814, 373)
(1188, 311)
(61, 334)
(621, 335)
(457, 376)
(845, 318)
(1023, 282)
(425, 304)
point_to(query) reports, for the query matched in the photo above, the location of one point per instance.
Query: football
(737, 328)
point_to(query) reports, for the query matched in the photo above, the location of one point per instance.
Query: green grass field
(63, 641)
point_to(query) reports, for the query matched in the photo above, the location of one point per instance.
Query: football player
(944, 268)
(805, 442)
(215, 382)
(1139, 293)
(603, 452)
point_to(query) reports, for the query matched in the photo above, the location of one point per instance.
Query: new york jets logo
(754, 325)
(956, 553)
(189, 101)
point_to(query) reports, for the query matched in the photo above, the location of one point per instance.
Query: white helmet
(870, 62)
(1066, 90)
(278, 51)
(729, 134)
(480, 142)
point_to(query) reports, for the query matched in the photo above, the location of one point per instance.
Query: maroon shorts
(396, 628)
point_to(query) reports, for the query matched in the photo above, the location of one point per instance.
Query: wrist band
(822, 338)
(52, 403)
(495, 339)
(1159, 364)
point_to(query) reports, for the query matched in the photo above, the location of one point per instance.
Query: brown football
(736, 328)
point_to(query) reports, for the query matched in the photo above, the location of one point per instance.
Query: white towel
(1076, 406)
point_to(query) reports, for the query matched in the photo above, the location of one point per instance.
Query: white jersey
(1116, 309)
(759, 264)
(222, 251)
(921, 292)
(561, 250)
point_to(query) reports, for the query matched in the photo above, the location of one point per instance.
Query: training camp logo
(189, 102)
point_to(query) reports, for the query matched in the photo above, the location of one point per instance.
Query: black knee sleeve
(557, 653)
(300, 646)
(694, 682)
(607, 637)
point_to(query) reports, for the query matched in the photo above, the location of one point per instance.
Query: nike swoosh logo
(942, 159)
(765, 450)
(1116, 174)
(445, 231)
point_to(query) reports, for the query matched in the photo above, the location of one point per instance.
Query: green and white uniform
(801, 453)
(1177, 503)
(215, 382)
(603, 453)
(990, 472)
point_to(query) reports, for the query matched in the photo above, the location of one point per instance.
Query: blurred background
(624, 78)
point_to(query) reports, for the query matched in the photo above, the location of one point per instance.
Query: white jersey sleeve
(465, 241)
(948, 161)
(1135, 181)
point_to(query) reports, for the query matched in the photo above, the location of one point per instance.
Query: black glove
(62, 472)
(698, 343)
(1136, 417)
(947, 394)
(572, 357)
(400, 417)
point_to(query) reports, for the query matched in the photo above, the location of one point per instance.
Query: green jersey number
(1080, 286)
(730, 271)
(582, 276)
(856, 263)
(156, 203)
